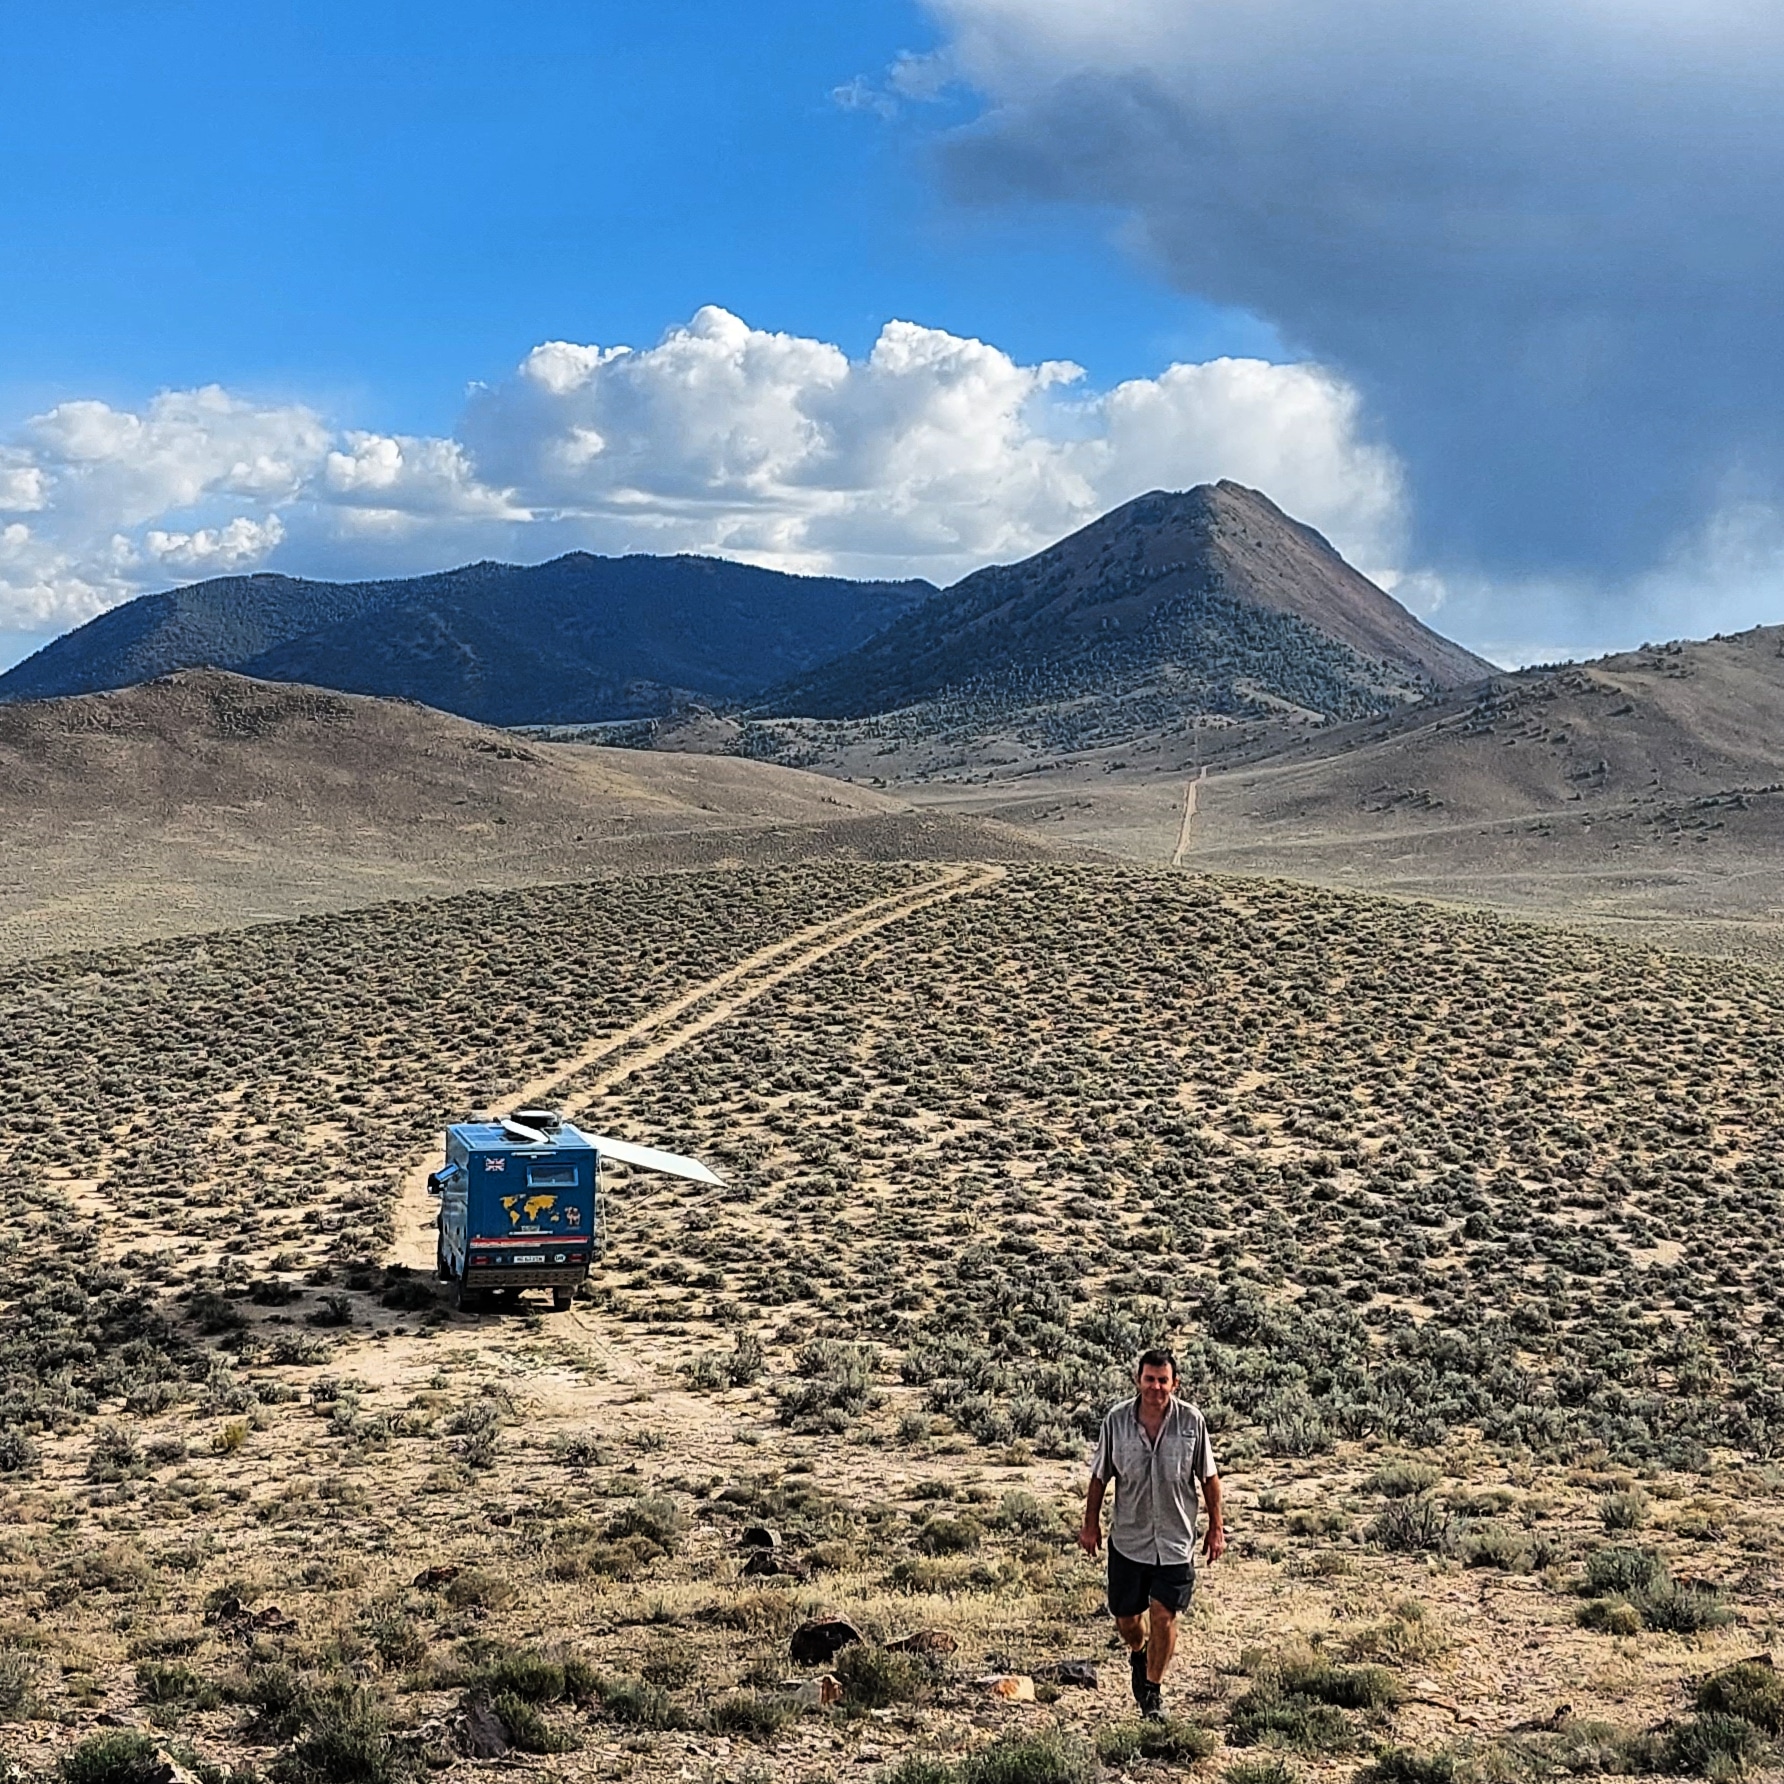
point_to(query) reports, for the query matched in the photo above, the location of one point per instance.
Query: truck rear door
(535, 1210)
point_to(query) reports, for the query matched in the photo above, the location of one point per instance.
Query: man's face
(1156, 1383)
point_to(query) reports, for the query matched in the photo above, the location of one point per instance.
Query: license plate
(539, 1259)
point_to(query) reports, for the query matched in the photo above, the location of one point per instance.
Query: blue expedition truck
(520, 1203)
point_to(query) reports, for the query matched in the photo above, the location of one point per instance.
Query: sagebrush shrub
(114, 1756)
(1749, 1690)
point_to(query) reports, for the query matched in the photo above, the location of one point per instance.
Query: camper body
(520, 1202)
(517, 1213)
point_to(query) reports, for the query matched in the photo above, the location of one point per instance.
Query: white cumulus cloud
(216, 551)
(931, 455)
(407, 477)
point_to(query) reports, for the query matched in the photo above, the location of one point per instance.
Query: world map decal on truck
(534, 1208)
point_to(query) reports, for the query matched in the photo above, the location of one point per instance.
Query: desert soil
(1463, 1229)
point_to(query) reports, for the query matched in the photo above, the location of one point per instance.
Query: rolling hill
(579, 638)
(1634, 762)
(1641, 792)
(204, 799)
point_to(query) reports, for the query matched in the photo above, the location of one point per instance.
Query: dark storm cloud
(1543, 239)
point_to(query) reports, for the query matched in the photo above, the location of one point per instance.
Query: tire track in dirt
(959, 882)
(705, 1006)
(1190, 791)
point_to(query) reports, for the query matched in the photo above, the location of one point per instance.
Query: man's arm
(1090, 1536)
(1214, 1542)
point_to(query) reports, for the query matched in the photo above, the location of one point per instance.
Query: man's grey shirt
(1154, 1521)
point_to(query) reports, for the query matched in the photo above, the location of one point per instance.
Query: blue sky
(1485, 292)
(370, 206)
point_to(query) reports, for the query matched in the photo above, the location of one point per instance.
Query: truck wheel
(561, 1299)
(471, 1300)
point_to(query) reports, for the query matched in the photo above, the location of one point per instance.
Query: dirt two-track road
(575, 1083)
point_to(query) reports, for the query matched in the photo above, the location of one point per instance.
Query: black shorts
(1133, 1583)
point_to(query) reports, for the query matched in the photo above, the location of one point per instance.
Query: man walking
(1155, 1449)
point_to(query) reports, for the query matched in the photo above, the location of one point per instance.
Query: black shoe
(1136, 1664)
(1152, 1702)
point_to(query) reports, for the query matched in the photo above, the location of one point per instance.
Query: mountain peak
(1207, 600)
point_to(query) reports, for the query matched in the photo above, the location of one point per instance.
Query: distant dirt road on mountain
(1189, 812)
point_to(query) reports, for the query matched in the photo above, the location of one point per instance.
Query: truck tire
(561, 1299)
(471, 1300)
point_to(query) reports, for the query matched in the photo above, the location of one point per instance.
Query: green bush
(751, 1715)
(276, 1695)
(1626, 1510)
(397, 1640)
(919, 1768)
(1171, 1741)
(479, 1588)
(1411, 1526)
(1402, 1480)
(580, 1450)
(656, 1519)
(1497, 1545)
(113, 1456)
(1268, 1715)
(19, 1672)
(1317, 1520)
(1030, 1759)
(581, 1681)
(1712, 1746)
(1638, 1580)
(1611, 1616)
(1684, 1610)
(18, 1454)
(1624, 1572)
(1749, 1690)
(527, 1729)
(835, 1384)
(1601, 1749)
(523, 1673)
(115, 1756)
(1407, 1636)
(1260, 1771)
(736, 1369)
(1347, 1687)
(638, 1704)
(345, 1738)
(208, 1772)
(877, 1678)
(950, 1536)
(1024, 1514)
(159, 1682)
(1397, 1766)
(947, 1575)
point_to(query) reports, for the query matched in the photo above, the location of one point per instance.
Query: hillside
(1644, 789)
(1209, 602)
(202, 799)
(578, 638)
